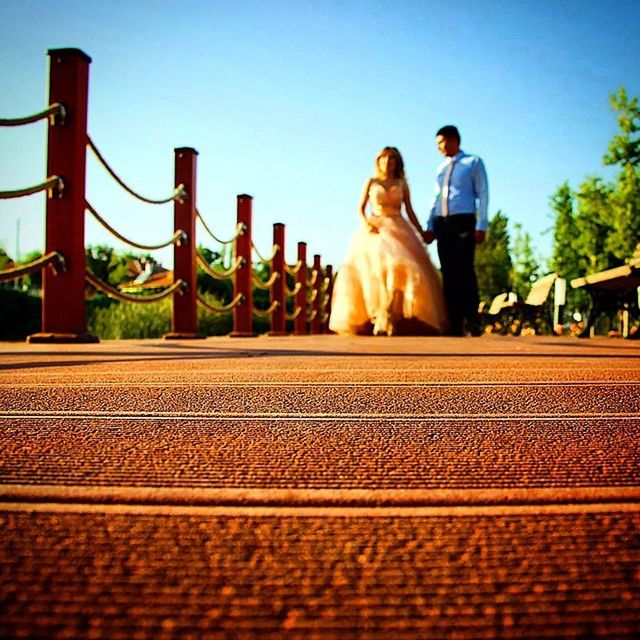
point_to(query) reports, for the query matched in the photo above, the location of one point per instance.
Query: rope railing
(314, 276)
(311, 316)
(55, 259)
(218, 275)
(179, 192)
(53, 185)
(227, 307)
(262, 259)
(265, 313)
(294, 315)
(64, 298)
(56, 114)
(267, 284)
(179, 286)
(240, 229)
(178, 237)
(293, 270)
(294, 291)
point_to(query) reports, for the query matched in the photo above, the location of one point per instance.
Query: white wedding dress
(387, 282)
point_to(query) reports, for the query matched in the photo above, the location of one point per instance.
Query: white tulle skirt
(387, 282)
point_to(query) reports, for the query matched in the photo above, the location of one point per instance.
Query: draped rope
(55, 259)
(56, 109)
(218, 275)
(292, 292)
(312, 315)
(265, 313)
(275, 247)
(294, 315)
(179, 192)
(178, 238)
(240, 229)
(314, 277)
(293, 270)
(313, 296)
(326, 283)
(54, 184)
(227, 307)
(179, 285)
(265, 285)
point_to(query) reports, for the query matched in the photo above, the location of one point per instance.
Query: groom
(458, 221)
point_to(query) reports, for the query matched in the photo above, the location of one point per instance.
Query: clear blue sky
(291, 101)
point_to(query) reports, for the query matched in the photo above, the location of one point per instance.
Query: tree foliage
(597, 225)
(526, 265)
(624, 152)
(493, 259)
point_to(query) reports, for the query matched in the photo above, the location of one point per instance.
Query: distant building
(147, 275)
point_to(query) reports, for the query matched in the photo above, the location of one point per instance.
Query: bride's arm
(364, 200)
(409, 209)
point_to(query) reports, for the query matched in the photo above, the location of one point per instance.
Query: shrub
(122, 321)
(20, 314)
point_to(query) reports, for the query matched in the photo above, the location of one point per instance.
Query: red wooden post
(278, 287)
(243, 313)
(316, 306)
(184, 317)
(300, 322)
(328, 294)
(63, 312)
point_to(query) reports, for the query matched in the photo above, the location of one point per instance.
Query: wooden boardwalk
(321, 487)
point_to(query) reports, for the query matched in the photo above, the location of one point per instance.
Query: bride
(387, 279)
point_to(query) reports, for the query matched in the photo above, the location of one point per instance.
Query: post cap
(185, 149)
(69, 52)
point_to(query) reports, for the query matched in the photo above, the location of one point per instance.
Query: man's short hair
(449, 131)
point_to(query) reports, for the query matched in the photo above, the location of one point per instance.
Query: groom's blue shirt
(468, 190)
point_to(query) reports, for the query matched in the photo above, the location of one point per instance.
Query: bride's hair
(391, 152)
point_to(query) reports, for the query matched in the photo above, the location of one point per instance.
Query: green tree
(33, 280)
(624, 204)
(593, 227)
(526, 266)
(493, 259)
(222, 289)
(564, 258)
(109, 266)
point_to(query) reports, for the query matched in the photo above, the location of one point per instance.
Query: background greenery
(595, 226)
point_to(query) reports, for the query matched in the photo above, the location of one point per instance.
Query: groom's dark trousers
(456, 249)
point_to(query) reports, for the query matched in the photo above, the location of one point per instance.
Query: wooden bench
(535, 310)
(611, 291)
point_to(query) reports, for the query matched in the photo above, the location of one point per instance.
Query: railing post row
(63, 309)
(316, 307)
(184, 315)
(277, 293)
(328, 273)
(243, 313)
(300, 322)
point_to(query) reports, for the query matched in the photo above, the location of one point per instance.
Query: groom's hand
(480, 236)
(428, 236)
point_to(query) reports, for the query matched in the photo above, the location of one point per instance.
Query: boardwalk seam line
(311, 417)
